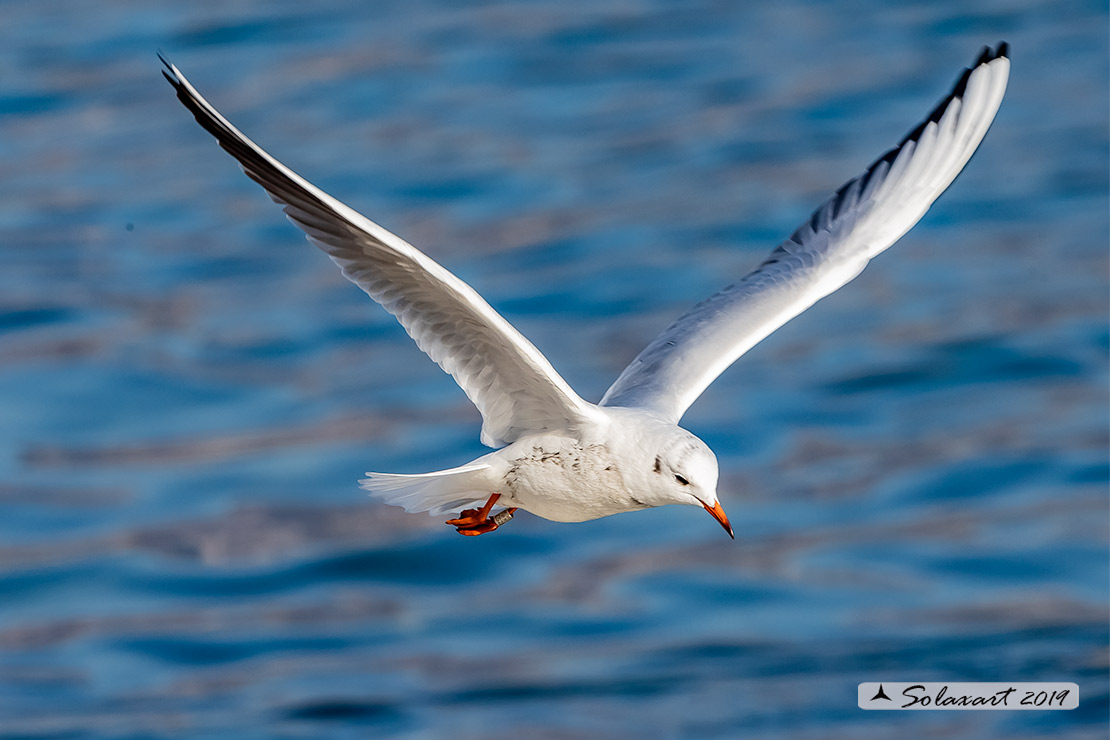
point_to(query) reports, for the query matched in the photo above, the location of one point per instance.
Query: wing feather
(507, 378)
(863, 218)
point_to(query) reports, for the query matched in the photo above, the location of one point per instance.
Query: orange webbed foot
(473, 522)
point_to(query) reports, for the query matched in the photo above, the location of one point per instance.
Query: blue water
(917, 468)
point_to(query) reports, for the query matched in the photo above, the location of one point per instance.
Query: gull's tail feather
(441, 492)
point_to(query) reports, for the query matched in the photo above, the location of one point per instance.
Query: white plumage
(564, 458)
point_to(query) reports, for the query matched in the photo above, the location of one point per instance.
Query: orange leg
(473, 522)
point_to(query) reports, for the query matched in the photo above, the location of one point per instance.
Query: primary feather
(504, 375)
(864, 217)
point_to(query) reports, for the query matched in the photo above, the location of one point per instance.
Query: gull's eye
(681, 481)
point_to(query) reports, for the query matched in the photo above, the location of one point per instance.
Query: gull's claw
(466, 517)
(473, 522)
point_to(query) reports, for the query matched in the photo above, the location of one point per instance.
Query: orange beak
(720, 515)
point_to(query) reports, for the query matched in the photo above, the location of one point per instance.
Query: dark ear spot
(658, 464)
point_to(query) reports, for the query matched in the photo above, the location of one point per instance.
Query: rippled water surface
(917, 468)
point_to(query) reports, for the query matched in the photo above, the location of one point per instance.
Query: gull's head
(684, 471)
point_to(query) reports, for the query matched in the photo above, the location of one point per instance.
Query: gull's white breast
(564, 479)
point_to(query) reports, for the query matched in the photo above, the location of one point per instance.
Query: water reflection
(917, 469)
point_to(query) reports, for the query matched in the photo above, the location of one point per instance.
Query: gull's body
(561, 457)
(625, 459)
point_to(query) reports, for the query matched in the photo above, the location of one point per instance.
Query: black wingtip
(960, 87)
(988, 55)
(168, 70)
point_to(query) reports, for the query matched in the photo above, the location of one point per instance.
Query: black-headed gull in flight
(557, 455)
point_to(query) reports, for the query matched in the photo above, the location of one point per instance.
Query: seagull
(561, 457)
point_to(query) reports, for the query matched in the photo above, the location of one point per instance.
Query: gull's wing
(511, 383)
(863, 218)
